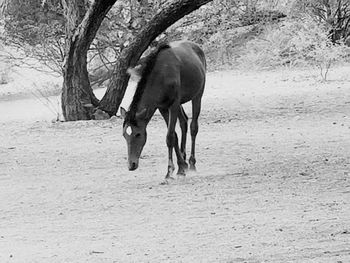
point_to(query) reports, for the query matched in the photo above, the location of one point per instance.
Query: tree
(70, 43)
(35, 29)
(77, 95)
(81, 28)
(122, 22)
(334, 13)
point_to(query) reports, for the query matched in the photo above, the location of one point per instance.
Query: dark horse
(171, 75)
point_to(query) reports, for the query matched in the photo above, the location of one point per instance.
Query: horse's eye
(137, 135)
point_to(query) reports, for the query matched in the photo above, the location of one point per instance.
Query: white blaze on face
(128, 130)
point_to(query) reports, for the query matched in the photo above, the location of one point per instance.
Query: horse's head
(134, 132)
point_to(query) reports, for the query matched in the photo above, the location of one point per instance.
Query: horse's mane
(147, 65)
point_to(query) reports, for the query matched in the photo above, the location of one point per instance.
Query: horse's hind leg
(196, 109)
(183, 119)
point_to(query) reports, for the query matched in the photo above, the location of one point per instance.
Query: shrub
(293, 43)
(326, 54)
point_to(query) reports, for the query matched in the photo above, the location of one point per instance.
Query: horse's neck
(150, 114)
(150, 109)
(147, 102)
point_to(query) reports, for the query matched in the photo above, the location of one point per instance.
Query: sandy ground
(273, 181)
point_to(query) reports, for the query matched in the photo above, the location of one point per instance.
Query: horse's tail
(200, 54)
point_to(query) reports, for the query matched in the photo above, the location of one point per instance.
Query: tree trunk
(130, 55)
(81, 29)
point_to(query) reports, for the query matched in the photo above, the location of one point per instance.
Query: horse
(171, 75)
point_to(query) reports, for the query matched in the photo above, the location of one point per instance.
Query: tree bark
(130, 55)
(81, 29)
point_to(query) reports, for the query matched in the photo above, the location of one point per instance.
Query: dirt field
(273, 181)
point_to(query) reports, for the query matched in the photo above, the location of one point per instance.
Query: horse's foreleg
(170, 117)
(196, 108)
(170, 138)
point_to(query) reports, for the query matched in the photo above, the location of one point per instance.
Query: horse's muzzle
(133, 166)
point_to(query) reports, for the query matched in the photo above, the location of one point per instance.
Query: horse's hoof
(181, 172)
(193, 168)
(167, 180)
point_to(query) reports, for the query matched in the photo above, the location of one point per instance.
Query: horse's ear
(141, 114)
(122, 112)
